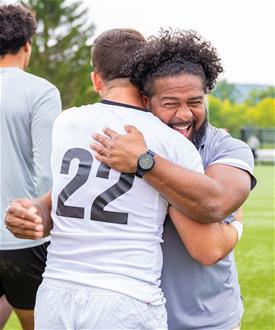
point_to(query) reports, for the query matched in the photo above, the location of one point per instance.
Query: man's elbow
(208, 259)
(210, 214)
(214, 212)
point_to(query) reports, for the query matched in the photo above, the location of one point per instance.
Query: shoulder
(219, 143)
(40, 92)
(221, 148)
(72, 115)
(37, 82)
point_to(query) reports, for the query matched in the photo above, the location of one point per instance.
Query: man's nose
(184, 113)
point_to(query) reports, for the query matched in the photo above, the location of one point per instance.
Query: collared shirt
(200, 297)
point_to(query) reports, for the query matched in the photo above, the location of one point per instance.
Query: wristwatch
(145, 163)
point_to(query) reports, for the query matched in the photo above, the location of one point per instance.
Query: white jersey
(107, 225)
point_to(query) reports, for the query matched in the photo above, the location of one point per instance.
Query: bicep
(233, 183)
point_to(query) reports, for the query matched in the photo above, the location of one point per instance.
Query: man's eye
(170, 105)
(195, 103)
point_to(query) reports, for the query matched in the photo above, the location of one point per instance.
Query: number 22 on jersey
(97, 212)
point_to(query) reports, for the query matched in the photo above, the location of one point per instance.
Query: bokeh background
(243, 102)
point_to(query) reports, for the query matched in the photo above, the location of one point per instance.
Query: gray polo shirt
(200, 297)
(29, 106)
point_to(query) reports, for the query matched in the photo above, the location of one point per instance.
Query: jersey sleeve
(46, 108)
(236, 153)
(186, 155)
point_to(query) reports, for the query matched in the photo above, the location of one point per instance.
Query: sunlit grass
(255, 254)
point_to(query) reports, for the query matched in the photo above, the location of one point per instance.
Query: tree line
(256, 110)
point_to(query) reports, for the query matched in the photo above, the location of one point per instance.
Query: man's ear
(27, 47)
(146, 101)
(97, 81)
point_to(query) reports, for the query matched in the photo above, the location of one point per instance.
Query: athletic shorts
(21, 274)
(64, 305)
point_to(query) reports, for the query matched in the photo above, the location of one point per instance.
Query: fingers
(16, 210)
(26, 233)
(103, 159)
(105, 141)
(98, 148)
(131, 129)
(111, 133)
(23, 223)
(24, 202)
(105, 144)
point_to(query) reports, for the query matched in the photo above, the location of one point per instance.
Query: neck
(10, 60)
(122, 91)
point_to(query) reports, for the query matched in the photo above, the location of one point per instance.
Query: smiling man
(179, 102)
(174, 72)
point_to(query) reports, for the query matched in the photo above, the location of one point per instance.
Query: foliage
(60, 51)
(256, 96)
(223, 113)
(226, 91)
(255, 254)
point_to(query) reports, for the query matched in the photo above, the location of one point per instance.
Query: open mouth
(185, 130)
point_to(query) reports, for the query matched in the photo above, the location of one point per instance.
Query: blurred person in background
(29, 106)
(254, 144)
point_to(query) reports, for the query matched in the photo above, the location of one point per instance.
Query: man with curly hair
(174, 72)
(29, 105)
(220, 238)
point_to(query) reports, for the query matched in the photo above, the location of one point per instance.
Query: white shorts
(63, 305)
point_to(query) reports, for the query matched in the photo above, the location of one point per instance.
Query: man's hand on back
(120, 152)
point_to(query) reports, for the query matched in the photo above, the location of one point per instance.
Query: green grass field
(254, 255)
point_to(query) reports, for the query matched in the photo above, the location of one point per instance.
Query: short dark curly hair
(17, 26)
(173, 53)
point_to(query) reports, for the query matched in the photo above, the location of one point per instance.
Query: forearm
(192, 193)
(206, 198)
(206, 243)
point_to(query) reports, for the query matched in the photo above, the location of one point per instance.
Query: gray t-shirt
(200, 297)
(29, 106)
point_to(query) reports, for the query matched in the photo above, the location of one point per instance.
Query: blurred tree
(215, 113)
(226, 91)
(233, 116)
(256, 95)
(262, 114)
(60, 50)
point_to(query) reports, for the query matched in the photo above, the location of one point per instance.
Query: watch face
(146, 162)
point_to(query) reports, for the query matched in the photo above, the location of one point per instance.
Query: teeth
(180, 127)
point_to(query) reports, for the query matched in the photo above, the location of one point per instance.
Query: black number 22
(85, 158)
